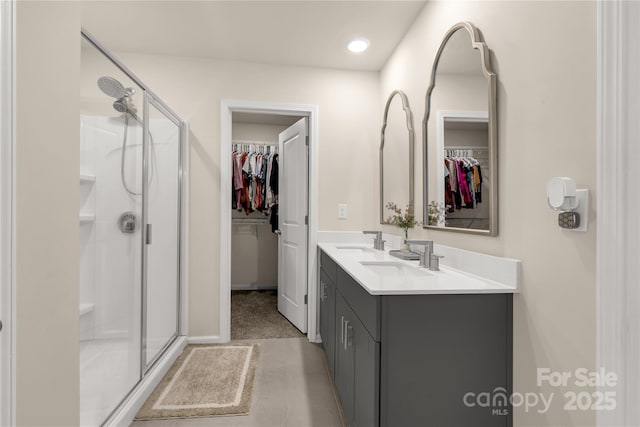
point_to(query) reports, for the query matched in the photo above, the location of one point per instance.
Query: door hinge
(306, 220)
(306, 299)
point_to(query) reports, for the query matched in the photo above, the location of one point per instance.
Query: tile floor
(292, 388)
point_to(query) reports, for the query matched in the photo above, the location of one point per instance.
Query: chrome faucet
(427, 258)
(378, 243)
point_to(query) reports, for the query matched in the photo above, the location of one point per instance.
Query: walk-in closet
(256, 168)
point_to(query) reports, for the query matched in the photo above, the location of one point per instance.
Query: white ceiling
(303, 32)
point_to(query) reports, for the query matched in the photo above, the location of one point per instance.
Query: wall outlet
(342, 211)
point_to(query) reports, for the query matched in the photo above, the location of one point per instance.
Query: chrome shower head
(111, 87)
(121, 105)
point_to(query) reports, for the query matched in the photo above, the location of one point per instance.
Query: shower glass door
(162, 238)
(131, 149)
(110, 220)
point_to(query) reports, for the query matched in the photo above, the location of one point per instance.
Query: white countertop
(382, 274)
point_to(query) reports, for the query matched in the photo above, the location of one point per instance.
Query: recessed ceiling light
(358, 45)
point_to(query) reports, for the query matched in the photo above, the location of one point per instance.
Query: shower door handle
(148, 241)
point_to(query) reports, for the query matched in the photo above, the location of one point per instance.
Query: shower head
(111, 87)
(121, 105)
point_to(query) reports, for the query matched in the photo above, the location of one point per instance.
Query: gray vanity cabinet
(327, 309)
(328, 316)
(357, 374)
(412, 360)
(357, 368)
(345, 362)
(439, 353)
(349, 328)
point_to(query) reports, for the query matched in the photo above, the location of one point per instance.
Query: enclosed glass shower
(131, 221)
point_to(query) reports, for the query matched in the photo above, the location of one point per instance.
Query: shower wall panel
(115, 255)
(110, 259)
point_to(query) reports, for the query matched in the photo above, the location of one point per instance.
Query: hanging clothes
(273, 185)
(253, 180)
(273, 219)
(477, 181)
(462, 182)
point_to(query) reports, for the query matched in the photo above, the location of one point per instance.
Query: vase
(404, 248)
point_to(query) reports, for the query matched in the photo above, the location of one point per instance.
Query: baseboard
(127, 411)
(314, 338)
(212, 339)
(254, 287)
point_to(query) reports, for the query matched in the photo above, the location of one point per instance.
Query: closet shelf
(87, 218)
(85, 178)
(86, 308)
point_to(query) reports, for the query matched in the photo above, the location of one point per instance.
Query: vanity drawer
(329, 266)
(363, 304)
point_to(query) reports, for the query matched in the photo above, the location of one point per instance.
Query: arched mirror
(396, 155)
(460, 137)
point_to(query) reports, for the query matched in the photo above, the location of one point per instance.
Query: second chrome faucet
(427, 258)
(378, 243)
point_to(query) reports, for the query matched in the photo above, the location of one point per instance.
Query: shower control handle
(128, 222)
(149, 229)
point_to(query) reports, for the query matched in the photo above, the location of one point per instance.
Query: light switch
(342, 211)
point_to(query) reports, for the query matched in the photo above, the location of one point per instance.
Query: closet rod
(249, 142)
(465, 148)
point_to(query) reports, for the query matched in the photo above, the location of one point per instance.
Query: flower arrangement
(404, 220)
(436, 213)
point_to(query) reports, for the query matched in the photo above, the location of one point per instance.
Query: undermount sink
(355, 248)
(392, 268)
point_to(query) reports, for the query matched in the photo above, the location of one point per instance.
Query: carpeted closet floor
(254, 315)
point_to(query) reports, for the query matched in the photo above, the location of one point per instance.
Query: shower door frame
(152, 373)
(7, 214)
(152, 100)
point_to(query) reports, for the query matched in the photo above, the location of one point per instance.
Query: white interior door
(292, 214)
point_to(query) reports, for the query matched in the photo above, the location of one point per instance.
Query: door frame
(7, 213)
(618, 233)
(466, 116)
(227, 108)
